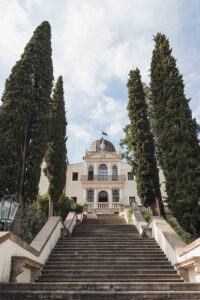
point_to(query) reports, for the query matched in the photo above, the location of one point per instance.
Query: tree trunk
(18, 217)
(160, 207)
(50, 207)
(15, 228)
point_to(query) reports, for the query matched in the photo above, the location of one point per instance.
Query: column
(119, 168)
(95, 168)
(95, 198)
(110, 198)
(109, 169)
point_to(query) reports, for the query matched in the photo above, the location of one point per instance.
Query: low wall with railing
(22, 262)
(185, 258)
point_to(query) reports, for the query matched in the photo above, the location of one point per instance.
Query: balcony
(102, 206)
(103, 178)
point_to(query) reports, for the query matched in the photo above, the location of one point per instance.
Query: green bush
(36, 214)
(32, 222)
(147, 215)
(129, 212)
(185, 236)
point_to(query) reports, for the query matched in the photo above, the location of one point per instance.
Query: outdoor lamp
(73, 206)
(8, 209)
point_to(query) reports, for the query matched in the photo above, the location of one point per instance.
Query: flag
(103, 133)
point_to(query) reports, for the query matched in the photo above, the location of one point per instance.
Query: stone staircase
(105, 259)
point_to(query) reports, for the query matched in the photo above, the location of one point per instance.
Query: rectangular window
(75, 176)
(130, 176)
(115, 195)
(131, 200)
(90, 195)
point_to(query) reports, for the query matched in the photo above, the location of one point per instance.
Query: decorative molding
(187, 264)
(18, 263)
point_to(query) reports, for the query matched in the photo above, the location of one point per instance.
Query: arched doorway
(103, 197)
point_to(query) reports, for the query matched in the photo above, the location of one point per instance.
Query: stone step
(105, 259)
(116, 265)
(110, 277)
(78, 241)
(101, 286)
(108, 251)
(98, 295)
(107, 247)
(106, 272)
(131, 256)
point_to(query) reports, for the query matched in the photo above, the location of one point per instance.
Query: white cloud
(95, 43)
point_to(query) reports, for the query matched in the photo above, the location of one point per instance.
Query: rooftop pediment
(102, 154)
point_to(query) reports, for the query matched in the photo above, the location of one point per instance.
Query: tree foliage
(24, 119)
(140, 150)
(56, 151)
(176, 136)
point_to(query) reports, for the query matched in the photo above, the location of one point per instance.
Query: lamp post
(8, 209)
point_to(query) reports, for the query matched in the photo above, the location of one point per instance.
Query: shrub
(185, 236)
(32, 222)
(36, 214)
(129, 212)
(147, 215)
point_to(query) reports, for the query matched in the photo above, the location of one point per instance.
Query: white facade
(101, 180)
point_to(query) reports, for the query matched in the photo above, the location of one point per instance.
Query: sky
(95, 44)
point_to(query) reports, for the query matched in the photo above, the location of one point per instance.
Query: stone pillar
(109, 169)
(119, 168)
(95, 196)
(110, 195)
(95, 168)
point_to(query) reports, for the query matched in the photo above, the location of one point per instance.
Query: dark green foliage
(32, 222)
(139, 143)
(24, 119)
(147, 215)
(36, 215)
(176, 137)
(61, 208)
(185, 236)
(56, 152)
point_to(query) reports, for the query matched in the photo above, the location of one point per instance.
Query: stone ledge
(189, 247)
(9, 235)
(184, 266)
(18, 263)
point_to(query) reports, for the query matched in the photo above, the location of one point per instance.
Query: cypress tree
(24, 126)
(56, 152)
(176, 135)
(140, 145)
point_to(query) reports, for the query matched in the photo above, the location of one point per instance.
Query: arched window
(103, 173)
(90, 173)
(114, 173)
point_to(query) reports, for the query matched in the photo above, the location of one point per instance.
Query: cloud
(96, 43)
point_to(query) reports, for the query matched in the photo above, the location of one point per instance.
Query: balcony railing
(103, 178)
(104, 205)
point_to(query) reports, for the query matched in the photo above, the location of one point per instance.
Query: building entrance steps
(105, 259)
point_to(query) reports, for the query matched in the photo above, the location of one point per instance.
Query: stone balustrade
(185, 258)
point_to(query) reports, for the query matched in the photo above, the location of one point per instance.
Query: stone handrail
(186, 258)
(70, 221)
(22, 262)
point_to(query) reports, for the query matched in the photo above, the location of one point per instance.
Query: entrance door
(103, 197)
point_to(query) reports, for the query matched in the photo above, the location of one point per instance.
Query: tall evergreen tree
(176, 136)
(56, 152)
(24, 126)
(140, 145)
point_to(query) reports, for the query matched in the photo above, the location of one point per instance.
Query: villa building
(102, 181)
